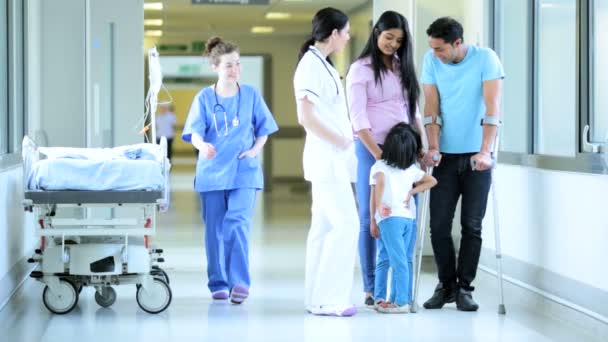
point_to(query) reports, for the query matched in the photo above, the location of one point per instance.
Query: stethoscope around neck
(217, 108)
(314, 52)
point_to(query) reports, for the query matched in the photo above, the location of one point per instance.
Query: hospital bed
(95, 248)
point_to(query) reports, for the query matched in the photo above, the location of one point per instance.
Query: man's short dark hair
(445, 28)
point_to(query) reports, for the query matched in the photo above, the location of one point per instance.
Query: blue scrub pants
(398, 235)
(227, 215)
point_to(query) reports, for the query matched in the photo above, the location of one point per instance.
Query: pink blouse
(375, 107)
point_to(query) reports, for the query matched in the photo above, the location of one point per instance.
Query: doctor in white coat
(330, 165)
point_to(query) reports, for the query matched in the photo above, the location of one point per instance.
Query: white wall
(554, 220)
(426, 13)
(405, 7)
(16, 232)
(17, 238)
(359, 30)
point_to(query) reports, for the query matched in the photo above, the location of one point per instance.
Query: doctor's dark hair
(409, 82)
(401, 147)
(446, 28)
(324, 23)
(216, 47)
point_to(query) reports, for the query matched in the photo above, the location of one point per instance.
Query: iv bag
(155, 74)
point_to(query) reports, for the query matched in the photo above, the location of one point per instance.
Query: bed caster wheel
(154, 299)
(160, 274)
(105, 297)
(63, 301)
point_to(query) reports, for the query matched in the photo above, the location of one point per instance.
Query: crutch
(501, 307)
(420, 242)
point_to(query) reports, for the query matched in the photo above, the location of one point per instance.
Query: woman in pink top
(382, 90)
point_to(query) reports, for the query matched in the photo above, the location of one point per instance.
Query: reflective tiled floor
(275, 310)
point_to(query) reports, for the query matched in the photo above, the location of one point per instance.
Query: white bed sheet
(131, 167)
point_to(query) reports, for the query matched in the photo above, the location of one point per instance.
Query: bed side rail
(30, 155)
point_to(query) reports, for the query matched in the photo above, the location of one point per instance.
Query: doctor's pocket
(248, 164)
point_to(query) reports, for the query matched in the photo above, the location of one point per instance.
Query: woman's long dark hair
(324, 23)
(409, 82)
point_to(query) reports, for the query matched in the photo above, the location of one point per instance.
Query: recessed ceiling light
(153, 6)
(262, 29)
(278, 15)
(153, 33)
(153, 22)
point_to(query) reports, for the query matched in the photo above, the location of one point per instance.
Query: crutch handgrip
(474, 163)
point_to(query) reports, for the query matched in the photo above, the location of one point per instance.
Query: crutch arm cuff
(491, 120)
(432, 119)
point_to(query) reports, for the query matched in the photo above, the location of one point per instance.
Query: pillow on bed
(133, 152)
(139, 152)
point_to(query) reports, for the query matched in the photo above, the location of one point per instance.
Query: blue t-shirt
(460, 88)
(213, 121)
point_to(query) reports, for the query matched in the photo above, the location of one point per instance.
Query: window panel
(515, 49)
(556, 112)
(599, 72)
(16, 76)
(3, 77)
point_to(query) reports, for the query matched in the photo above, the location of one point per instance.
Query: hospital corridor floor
(274, 310)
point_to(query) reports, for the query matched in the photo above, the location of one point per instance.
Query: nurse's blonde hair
(216, 47)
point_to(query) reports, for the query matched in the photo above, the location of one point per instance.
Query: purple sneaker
(238, 294)
(220, 295)
(349, 312)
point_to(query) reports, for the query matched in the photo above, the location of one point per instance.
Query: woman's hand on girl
(384, 211)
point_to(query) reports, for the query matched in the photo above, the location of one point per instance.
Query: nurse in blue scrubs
(229, 124)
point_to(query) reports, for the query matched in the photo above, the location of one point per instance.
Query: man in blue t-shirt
(462, 85)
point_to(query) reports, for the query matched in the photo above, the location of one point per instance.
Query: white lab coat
(332, 239)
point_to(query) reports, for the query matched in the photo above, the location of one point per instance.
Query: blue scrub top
(225, 171)
(461, 99)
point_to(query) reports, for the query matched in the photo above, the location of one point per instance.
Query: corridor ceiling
(184, 19)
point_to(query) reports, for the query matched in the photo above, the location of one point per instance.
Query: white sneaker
(333, 310)
(393, 309)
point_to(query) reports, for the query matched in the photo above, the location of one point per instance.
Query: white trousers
(332, 245)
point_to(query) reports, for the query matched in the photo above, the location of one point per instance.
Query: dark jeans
(455, 178)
